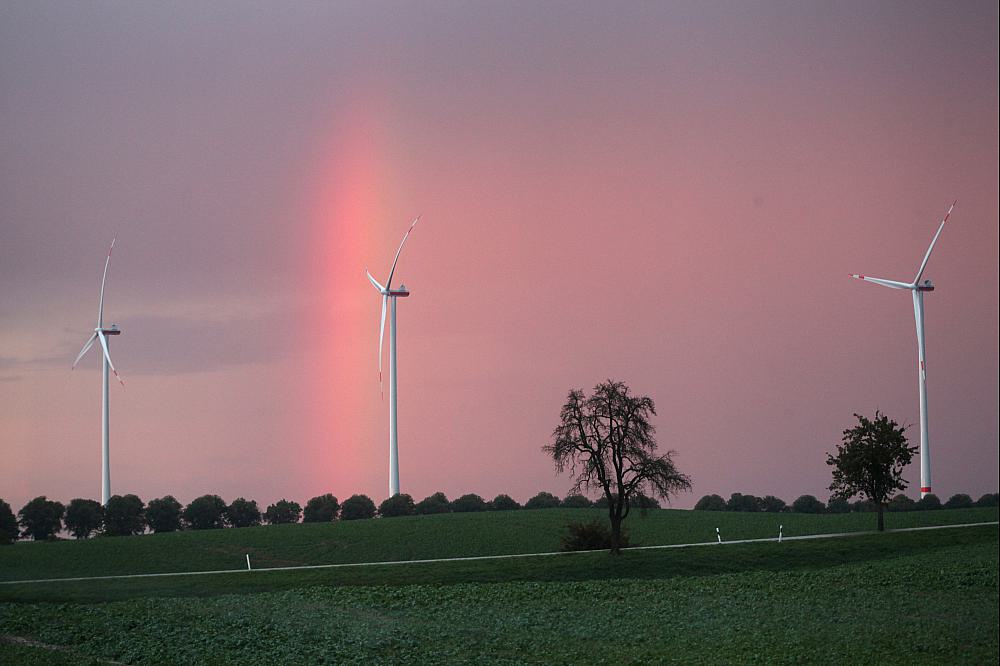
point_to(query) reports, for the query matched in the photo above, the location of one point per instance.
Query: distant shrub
(590, 536)
(123, 515)
(838, 505)
(504, 503)
(468, 503)
(207, 512)
(638, 500)
(863, 506)
(321, 509)
(84, 517)
(41, 518)
(542, 500)
(808, 504)
(283, 512)
(164, 514)
(436, 503)
(397, 505)
(357, 507)
(959, 501)
(745, 503)
(8, 524)
(989, 499)
(243, 513)
(773, 504)
(711, 503)
(900, 503)
(576, 502)
(928, 502)
(602, 502)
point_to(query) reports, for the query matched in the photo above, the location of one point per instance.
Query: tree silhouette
(870, 461)
(607, 442)
(84, 517)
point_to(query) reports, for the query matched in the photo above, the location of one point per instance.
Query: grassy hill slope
(416, 537)
(901, 598)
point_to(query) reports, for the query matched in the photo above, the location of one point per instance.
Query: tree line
(810, 504)
(126, 515)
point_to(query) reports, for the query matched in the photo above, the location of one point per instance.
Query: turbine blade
(892, 284)
(107, 357)
(388, 283)
(100, 311)
(933, 241)
(374, 281)
(86, 348)
(381, 333)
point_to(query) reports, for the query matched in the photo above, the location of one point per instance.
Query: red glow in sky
(672, 195)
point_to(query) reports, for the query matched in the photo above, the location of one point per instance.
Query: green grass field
(417, 537)
(889, 598)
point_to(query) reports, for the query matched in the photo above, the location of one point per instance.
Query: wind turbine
(918, 289)
(100, 335)
(388, 293)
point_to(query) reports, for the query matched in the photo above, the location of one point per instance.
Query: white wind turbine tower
(918, 289)
(390, 294)
(100, 334)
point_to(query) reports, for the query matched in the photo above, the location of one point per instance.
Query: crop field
(891, 598)
(419, 537)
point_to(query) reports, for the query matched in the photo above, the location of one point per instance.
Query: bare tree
(606, 441)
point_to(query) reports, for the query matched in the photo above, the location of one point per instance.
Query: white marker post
(718, 535)
(780, 527)
(248, 561)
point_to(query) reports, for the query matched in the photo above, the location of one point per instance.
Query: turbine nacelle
(916, 285)
(387, 291)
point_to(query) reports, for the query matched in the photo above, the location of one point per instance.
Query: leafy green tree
(436, 503)
(41, 518)
(959, 501)
(321, 509)
(400, 504)
(357, 507)
(8, 524)
(123, 516)
(772, 504)
(870, 461)
(164, 514)
(989, 499)
(84, 517)
(542, 500)
(838, 505)
(243, 513)
(745, 503)
(207, 512)
(576, 501)
(808, 504)
(607, 442)
(900, 503)
(468, 503)
(711, 503)
(283, 511)
(504, 502)
(928, 502)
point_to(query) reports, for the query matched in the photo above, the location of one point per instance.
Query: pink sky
(669, 194)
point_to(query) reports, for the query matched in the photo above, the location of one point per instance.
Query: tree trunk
(881, 517)
(616, 535)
